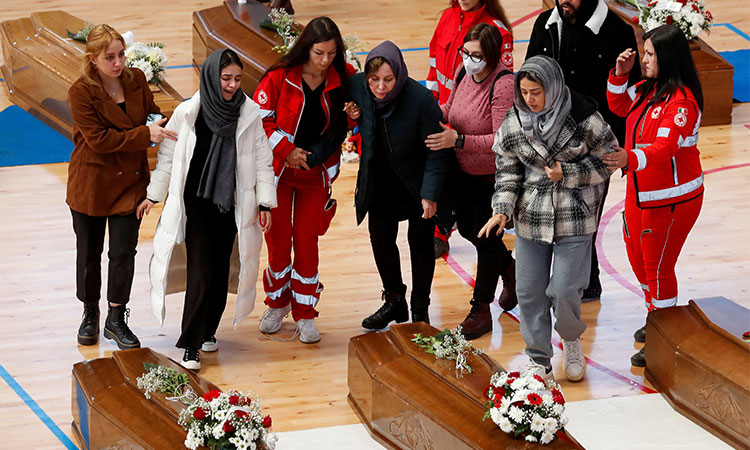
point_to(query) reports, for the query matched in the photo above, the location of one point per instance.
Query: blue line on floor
(36, 409)
(733, 28)
(184, 66)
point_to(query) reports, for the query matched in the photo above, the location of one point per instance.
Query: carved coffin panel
(695, 356)
(109, 412)
(410, 400)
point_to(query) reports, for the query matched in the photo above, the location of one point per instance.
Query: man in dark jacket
(585, 38)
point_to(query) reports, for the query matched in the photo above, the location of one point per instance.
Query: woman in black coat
(399, 178)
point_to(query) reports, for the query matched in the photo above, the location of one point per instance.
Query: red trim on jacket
(449, 37)
(282, 99)
(664, 165)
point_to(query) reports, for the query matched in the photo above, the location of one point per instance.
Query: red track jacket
(663, 160)
(449, 37)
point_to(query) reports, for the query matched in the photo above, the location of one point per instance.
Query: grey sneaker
(537, 369)
(308, 334)
(270, 323)
(574, 363)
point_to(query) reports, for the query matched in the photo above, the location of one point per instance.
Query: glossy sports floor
(304, 386)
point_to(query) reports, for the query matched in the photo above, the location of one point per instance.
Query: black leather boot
(116, 328)
(419, 309)
(639, 359)
(508, 299)
(88, 332)
(394, 308)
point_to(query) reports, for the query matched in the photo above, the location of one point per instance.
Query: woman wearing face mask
(220, 183)
(455, 22)
(475, 110)
(665, 180)
(107, 178)
(550, 181)
(302, 103)
(399, 178)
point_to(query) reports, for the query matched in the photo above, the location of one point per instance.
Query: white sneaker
(574, 363)
(538, 369)
(271, 320)
(191, 359)
(210, 344)
(308, 334)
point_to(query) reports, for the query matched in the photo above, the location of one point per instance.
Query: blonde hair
(98, 41)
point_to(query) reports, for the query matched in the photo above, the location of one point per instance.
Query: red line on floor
(526, 17)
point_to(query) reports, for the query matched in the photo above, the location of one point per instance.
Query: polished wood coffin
(40, 63)
(714, 71)
(408, 399)
(110, 412)
(696, 357)
(237, 26)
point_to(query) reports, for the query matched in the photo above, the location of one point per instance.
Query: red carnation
(241, 414)
(199, 413)
(670, 19)
(534, 399)
(557, 396)
(538, 378)
(227, 427)
(234, 400)
(212, 394)
(267, 421)
(514, 374)
(635, 19)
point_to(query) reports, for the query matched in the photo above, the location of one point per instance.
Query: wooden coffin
(696, 357)
(110, 412)
(714, 71)
(237, 26)
(40, 63)
(408, 399)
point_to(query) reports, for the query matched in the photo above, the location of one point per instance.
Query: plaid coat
(542, 210)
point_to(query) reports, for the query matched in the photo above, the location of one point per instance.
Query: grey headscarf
(546, 124)
(391, 53)
(218, 176)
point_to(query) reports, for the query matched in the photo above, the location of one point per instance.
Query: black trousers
(383, 232)
(209, 239)
(472, 212)
(123, 239)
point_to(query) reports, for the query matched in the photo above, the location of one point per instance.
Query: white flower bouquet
(690, 16)
(149, 58)
(162, 379)
(526, 406)
(448, 344)
(227, 421)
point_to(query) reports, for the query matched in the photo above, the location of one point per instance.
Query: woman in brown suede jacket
(107, 178)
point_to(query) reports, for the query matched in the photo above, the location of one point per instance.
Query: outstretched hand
(498, 220)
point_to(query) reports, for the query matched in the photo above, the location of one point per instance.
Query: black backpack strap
(459, 77)
(501, 74)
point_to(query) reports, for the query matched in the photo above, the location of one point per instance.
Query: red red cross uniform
(664, 183)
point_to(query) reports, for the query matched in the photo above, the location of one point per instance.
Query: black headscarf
(388, 51)
(217, 180)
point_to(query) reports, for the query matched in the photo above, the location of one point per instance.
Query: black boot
(640, 335)
(639, 359)
(394, 308)
(116, 328)
(419, 309)
(88, 332)
(508, 299)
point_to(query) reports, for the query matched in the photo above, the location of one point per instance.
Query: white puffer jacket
(254, 186)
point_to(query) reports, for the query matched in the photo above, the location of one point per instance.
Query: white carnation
(537, 423)
(558, 409)
(547, 399)
(530, 438)
(518, 383)
(550, 424)
(546, 437)
(515, 413)
(505, 425)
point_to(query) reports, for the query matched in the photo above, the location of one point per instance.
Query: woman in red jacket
(665, 180)
(455, 22)
(302, 104)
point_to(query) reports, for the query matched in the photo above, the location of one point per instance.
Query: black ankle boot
(88, 332)
(394, 308)
(419, 309)
(116, 328)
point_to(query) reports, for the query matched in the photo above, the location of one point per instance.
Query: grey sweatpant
(569, 259)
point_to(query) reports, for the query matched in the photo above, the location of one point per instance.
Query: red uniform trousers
(654, 238)
(301, 196)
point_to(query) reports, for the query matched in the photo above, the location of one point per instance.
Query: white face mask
(473, 68)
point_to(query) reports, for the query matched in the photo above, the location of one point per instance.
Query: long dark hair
(320, 29)
(490, 41)
(494, 8)
(676, 69)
